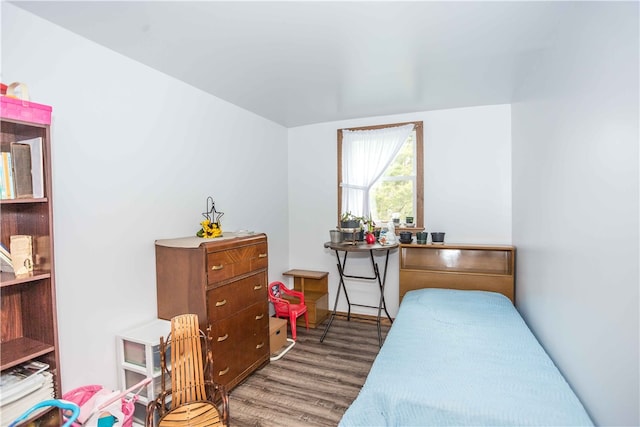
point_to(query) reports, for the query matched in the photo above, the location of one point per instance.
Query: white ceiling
(301, 62)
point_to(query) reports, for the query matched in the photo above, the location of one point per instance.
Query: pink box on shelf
(27, 111)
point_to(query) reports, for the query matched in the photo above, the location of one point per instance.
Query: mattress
(463, 358)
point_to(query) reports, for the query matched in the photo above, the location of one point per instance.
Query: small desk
(379, 278)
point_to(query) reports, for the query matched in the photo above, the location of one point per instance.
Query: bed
(461, 358)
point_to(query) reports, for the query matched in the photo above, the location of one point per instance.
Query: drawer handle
(257, 287)
(260, 345)
(223, 372)
(260, 316)
(221, 303)
(262, 255)
(217, 267)
(220, 339)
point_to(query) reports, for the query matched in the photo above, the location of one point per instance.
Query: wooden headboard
(452, 266)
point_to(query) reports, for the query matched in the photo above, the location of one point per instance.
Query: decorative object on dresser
(211, 226)
(193, 394)
(223, 281)
(314, 285)
(27, 301)
(466, 267)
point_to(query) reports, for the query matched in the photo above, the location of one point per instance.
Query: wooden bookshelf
(28, 303)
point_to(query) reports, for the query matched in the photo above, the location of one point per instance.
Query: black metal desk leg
(377, 277)
(376, 273)
(333, 313)
(341, 285)
(380, 304)
(342, 276)
(382, 287)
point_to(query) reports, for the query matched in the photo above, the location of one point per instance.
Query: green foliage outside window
(394, 191)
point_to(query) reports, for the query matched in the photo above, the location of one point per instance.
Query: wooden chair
(194, 395)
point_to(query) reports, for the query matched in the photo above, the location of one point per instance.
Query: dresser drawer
(225, 264)
(226, 300)
(240, 340)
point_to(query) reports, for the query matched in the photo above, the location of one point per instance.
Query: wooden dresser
(453, 266)
(224, 282)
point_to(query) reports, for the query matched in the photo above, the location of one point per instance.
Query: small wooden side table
(314, 286)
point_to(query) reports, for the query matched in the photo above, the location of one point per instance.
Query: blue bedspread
(463, 358)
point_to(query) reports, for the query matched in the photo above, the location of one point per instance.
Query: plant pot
(348, 236)
(359, 236)
(437, 237)
(336, 236)
(405, 237)
(353, 223)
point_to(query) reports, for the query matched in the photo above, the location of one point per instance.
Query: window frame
(419, 220)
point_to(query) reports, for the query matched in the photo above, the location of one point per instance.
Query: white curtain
(366, 154)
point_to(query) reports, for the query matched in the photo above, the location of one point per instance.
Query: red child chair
(285, 308)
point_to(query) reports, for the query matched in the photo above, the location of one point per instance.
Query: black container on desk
(405, 236)
(349, 236)
(437, 237)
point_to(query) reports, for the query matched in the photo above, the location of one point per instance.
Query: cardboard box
(277, 333)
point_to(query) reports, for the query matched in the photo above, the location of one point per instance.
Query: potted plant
(370, 226)
(351, 221)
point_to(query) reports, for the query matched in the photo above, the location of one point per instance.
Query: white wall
(575, 206)
(467, 189)
(135, 154)
(128, 171)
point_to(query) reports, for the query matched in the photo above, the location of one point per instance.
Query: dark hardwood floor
(314, 383)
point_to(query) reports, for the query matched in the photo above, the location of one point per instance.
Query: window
(380, 172)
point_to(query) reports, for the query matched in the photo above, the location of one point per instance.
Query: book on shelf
(30, 391)
(21, 164)
(6, 264)
(21, 250)
(37, 166)
(42, 253)
(3, 190)
(7, 175)
(22, 170)
(21, 380)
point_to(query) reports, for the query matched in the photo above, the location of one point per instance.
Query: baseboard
(365, 318)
